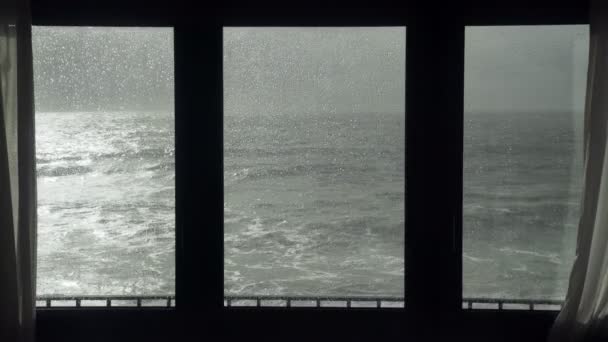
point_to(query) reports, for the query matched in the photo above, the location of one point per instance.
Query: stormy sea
(314, 162)
(106, 203)
(314, 205)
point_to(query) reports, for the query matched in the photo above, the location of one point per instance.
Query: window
(523, 152)
(105, 163)
(314, 158)
(207, 262)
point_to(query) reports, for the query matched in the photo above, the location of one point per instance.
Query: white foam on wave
(475, 259)
(231, 220)
(472, 208)
(255, 229)
(552, 257)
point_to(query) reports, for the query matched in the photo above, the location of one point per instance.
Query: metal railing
(293, 301)
(313, 301)
(106, 301)
(511, 304)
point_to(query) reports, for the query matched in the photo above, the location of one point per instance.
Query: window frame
(434, 147)
(128, 323)
(230, 20)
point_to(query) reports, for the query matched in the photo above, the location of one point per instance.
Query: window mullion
(199, 169)
(435, 62)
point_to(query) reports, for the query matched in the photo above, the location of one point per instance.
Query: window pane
(314, 157)
(105, 155)
(524, 102)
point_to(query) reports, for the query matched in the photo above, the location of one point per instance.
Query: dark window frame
(434, 133)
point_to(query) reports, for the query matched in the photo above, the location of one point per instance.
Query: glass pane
(523, 151)
(314, 157)
(105, 155)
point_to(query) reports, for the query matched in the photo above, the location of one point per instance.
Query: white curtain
(17, 175)
(584, 316)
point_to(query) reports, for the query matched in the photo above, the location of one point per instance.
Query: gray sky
(314, 70)
(523, 69)
(309, 70)
(103, 68)
(321, 70)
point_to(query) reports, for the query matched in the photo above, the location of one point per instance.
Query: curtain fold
(584, 316)
(17, 175)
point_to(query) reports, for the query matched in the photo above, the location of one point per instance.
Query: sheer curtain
(585, 312)
(17, 175)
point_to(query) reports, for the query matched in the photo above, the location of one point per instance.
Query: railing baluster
(468, 303)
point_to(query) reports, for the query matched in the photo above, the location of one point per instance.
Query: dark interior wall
(159, 12)
(198, 271)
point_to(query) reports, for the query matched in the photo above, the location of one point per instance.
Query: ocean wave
(164, 165)
(552, 257)
(329, 203)
(249, 174)
(58, 171)
(135, 154)
(347, 231)
(52, 159)
(392, 195)
(263, 206)
(470, 208)
(108, 163)
(296, 170)
(321, 170)
(284, 151)
(475, 259)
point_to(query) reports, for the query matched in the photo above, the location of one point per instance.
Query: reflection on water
(106, 200)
